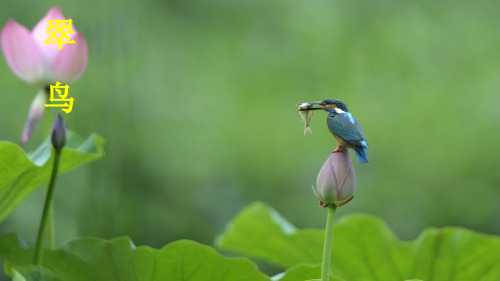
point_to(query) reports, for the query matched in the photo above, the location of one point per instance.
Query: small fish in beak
(305, 116)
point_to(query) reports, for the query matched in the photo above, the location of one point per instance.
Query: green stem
(51, 238)
(327, 249)
(46, 208)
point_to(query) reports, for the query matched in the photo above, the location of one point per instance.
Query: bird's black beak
(309, 105)
(317, 103)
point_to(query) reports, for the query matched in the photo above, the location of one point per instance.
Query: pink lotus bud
(40, 63)
(336, 180)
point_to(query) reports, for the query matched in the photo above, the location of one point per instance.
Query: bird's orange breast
(341, 141)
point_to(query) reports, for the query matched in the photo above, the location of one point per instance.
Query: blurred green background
(197, 101)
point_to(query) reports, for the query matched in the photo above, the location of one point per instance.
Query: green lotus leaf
(90, 259)
(364, 248)
(22, 173)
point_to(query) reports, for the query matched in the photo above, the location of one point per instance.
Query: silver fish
(305, 116)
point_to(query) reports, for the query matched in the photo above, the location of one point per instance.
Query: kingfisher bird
(345, 128)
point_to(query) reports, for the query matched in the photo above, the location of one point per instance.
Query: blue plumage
(361, 154)
(347, 130)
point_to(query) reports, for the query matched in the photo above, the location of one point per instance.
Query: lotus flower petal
(22, 53)
(71, 61)
(317, 193)
(327, 182)
(346, 178)
(34, 115)
(39, 33)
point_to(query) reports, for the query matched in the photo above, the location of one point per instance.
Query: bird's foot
(338, 149)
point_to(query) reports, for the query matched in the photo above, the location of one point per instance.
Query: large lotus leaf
(22, 173)
(303, 272)
(90, 259)
(364, 248)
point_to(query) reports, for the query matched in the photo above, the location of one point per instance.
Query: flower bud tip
(58, 134)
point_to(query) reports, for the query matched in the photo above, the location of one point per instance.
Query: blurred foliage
(197, 101)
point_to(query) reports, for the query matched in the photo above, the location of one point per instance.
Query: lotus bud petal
(58, 134)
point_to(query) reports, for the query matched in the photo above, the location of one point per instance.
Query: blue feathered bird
(345, 128)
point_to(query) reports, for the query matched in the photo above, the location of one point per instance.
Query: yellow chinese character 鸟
(62, 97)
(59, 26)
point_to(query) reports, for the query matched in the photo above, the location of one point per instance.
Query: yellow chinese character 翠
(62, 97)
(59, 26)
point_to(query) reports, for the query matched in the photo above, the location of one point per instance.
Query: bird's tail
(361, 154)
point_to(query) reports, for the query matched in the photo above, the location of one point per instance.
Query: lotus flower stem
(327, 249)
(51, 237)
(47, 207)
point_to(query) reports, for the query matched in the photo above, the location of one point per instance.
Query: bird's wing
(347, 128)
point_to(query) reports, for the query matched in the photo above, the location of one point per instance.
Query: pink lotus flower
(39, 63)
(42, 64)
